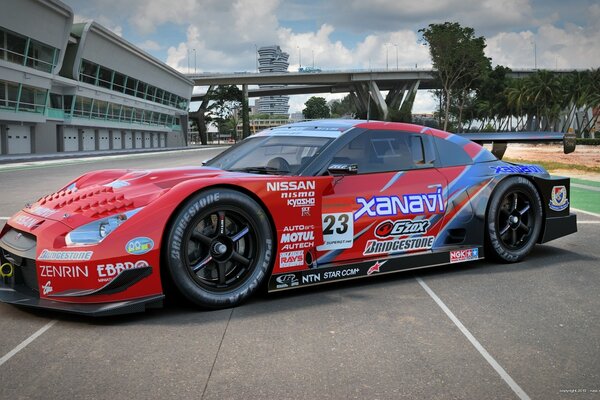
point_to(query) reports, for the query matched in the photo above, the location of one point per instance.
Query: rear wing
(499, 140)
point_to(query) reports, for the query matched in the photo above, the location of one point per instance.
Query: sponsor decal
(418, 203)
(401, 227)
(287, 280)
(63, 271)
(517, 169)
(338, 231)
(312, 278)
(558, 198)
(291, 259)
(375, 267)
(316, 277)
(464, 255)
(50, 255)
(42, 212)
(398, 245)
(297, 237)
(305, 212)
(47, 288)
(297, 194)
(112, 270)
(287, 186)
(26, 221)
(340, 273)
(139, 245)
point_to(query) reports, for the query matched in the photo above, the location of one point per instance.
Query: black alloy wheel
(514, 219)
(219, 248)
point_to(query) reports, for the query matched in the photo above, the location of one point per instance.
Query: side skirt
(343, 272)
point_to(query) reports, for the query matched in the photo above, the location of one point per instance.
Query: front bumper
(556, 227)
(21, 298)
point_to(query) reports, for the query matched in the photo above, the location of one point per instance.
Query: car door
(393, 204)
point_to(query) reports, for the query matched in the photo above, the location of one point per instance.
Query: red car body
(326, 227)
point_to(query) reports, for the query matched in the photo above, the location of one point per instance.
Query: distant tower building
(272, 59)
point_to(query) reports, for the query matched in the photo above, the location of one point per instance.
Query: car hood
(104, 193)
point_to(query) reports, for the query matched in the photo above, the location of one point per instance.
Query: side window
(385, 151)
(451, 154)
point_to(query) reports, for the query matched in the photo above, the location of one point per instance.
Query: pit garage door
(162, 140)
(138, 142)
(154, 139)
(147, 140)
(116, 140)
(89, 139)
(103, 139)
(70, 139)
(18, 139)
(128, 139)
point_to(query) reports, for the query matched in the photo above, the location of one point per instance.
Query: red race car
(292, 206)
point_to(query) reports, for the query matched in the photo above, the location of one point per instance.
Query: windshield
(278, 155)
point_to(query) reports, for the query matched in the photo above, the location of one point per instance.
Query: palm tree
(545, 92)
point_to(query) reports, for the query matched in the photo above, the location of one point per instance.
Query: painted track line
(585, 212)
(497, 367)
(586, 187)
(25, 342)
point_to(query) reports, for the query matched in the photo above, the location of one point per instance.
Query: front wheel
(514, 219)
(219, 248)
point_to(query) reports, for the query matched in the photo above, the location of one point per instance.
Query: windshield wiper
(261, 170)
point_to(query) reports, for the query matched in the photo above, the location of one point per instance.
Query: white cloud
(150, 45)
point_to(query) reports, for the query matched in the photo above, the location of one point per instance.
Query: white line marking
(588, 222)
(503, 374)
(4, 218)
(586, 187)
(585, 212)
(25, 342)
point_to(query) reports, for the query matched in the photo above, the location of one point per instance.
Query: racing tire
(219, 248)
(514, 219)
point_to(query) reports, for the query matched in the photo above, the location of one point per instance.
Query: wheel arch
(175, 211)
(533, 179)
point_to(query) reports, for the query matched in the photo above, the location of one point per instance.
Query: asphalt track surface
(478, 330)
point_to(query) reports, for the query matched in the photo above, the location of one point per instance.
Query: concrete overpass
(360, 84)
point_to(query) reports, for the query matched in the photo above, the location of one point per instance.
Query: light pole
(387, 58)
(396, 45)
(313, 54)
(534, 54)
(299, 58)
(194, 60)
(188, 60)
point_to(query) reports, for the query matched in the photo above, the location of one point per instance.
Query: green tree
(344, 107)
(224, 101)
(458, 60)
(316, 108)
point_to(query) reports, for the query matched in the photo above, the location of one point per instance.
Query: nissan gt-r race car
(292, 206)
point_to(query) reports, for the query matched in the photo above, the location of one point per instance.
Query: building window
(15, 48)
(83, 107)
(88, 71)
(32, 99)
(119, 83)
(40, 56)
(105, 77)
(131, 85)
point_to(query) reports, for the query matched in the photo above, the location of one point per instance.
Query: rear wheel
(219, 248)
(514, 219)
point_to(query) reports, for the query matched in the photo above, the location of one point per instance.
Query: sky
(222, 36)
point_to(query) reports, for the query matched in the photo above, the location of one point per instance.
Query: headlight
(95, 232)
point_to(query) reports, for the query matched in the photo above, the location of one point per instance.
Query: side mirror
(343, 169)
